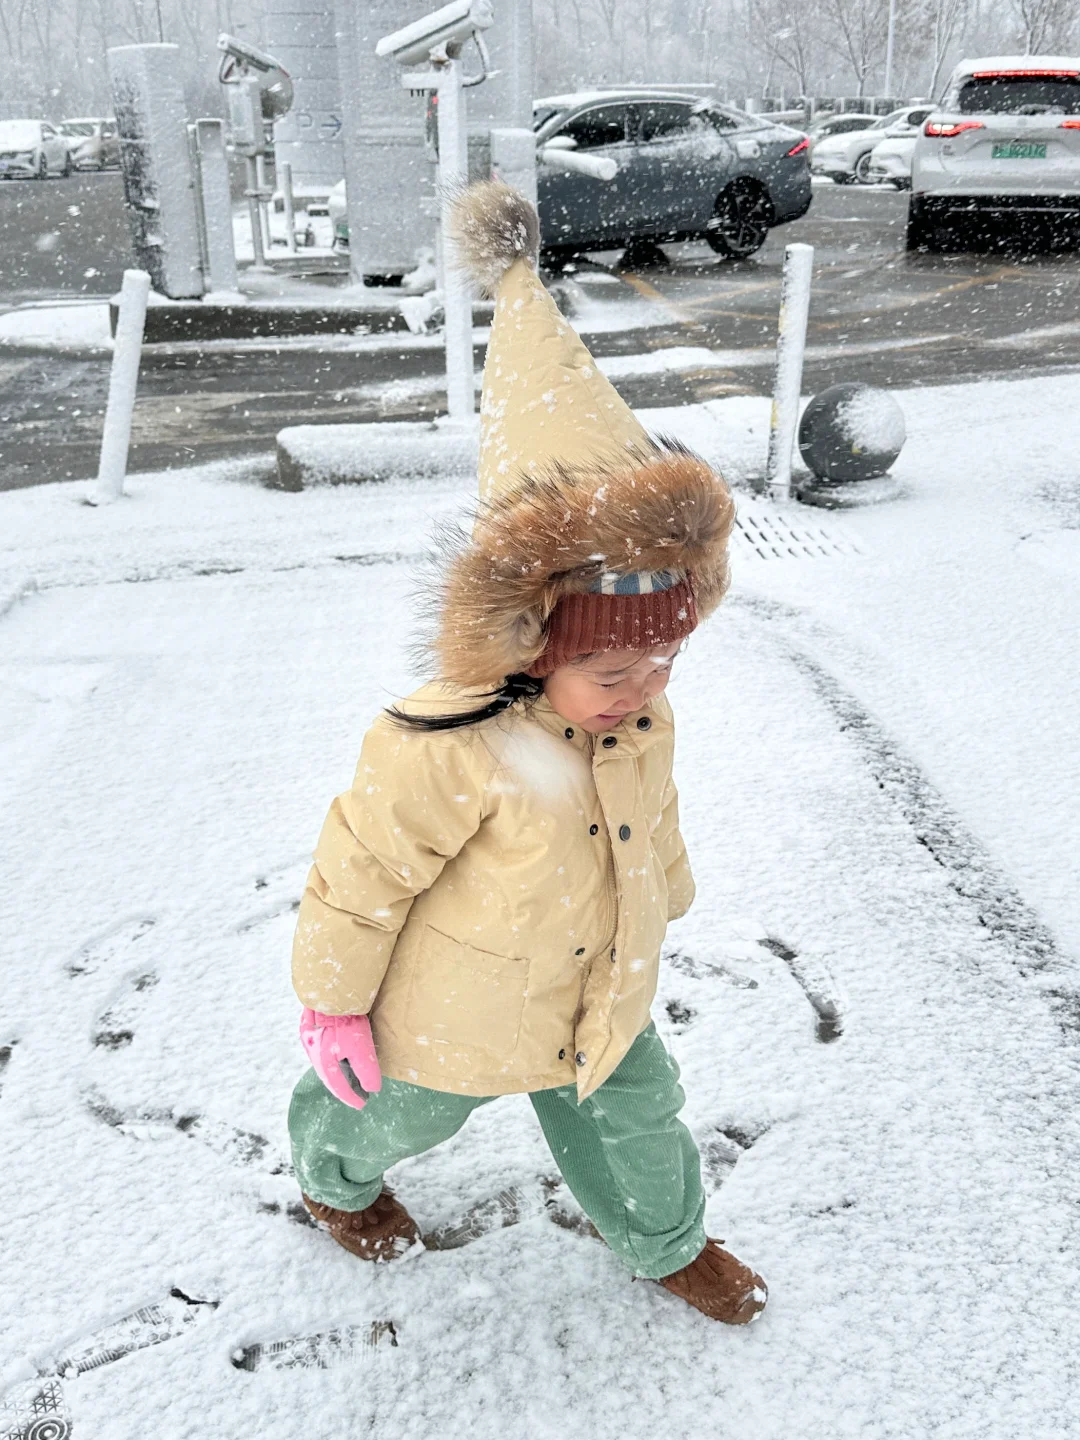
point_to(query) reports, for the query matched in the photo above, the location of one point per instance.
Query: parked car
(94, 143)
(687, 168)
(32, 149)
(825, 126)
(847, 157)
(890, 160)
(1004, 143)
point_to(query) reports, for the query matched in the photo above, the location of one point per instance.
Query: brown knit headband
(585, 624)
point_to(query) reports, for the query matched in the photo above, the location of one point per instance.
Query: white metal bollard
(457, 302)
(123, 379)
(290, 208)
(790, 347)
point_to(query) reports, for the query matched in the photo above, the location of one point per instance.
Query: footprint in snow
(240, 1147)
(6, 1052)
(115, 1025)
(34, 1407)
(279, 890)
(104, 951)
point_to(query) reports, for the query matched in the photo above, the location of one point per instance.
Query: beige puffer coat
(496, 896)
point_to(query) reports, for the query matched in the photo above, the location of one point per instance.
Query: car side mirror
(560, 142)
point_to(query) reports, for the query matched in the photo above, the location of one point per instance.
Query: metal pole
(790, 346)
(290, 211)
(123, 381)
(254, 215)
(889, 47)
(457, 304)
(264, 204)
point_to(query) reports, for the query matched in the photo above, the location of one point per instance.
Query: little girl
(488, 902)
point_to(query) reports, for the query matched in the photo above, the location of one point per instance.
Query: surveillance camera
(247, 55)
(242, 61)
(451, 26)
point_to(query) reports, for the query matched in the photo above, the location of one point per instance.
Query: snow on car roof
(587, 97)
(1031, 63)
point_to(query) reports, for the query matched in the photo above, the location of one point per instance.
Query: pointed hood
(591, 534)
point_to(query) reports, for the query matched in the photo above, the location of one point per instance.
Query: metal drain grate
(771, 535)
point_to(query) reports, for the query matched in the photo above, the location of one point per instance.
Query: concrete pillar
(301, 34)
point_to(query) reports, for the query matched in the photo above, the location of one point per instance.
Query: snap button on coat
(580, 1058)
(644, 723)
(594, 829)
(568, 732)
(609, 742)
(624, 832)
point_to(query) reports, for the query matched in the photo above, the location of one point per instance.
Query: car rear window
(77, 127)
(604, 126)
(841, 127)
(1019, 95)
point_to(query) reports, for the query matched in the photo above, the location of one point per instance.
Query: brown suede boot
(381, 1232)
(720, 1286)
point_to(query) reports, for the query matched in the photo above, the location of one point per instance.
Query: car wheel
(841, 177)
(921, 233)
(862, 169)
(741, 220)
(42, 168)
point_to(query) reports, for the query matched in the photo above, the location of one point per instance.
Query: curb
(311, 455)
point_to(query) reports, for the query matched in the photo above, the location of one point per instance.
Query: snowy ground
(879, 772)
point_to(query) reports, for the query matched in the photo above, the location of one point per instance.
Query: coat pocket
(465, 997)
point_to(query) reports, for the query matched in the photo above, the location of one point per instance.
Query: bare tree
(1045, 25)
(943, 23)
(789, 36)
(859, 28)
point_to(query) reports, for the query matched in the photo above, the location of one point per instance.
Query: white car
(890, 160)
(1004, 142)
(32, 149)
(825, 126)
(845, 158)
(94, 142)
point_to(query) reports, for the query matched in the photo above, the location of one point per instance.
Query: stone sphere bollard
(849, 436)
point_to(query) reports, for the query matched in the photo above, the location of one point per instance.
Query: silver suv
(1004, 143)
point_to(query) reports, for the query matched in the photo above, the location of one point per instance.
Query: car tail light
(946, 129)
(1021, 74)
(1070, 125)
(804, 144)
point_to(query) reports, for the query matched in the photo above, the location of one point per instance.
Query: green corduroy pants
(629, 1160)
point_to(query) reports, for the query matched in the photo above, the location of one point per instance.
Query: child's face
(596, 691)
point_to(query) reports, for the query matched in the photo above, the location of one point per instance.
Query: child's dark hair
(513, 688)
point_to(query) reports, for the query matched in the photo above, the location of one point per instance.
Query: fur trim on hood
(553, 534)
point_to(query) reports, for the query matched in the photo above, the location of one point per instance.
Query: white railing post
(790, 347)
(457, 302)
(123, 379)
(290, 209)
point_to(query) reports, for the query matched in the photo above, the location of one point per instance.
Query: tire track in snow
(971, 872)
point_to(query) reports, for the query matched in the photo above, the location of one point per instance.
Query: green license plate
(1018, 152)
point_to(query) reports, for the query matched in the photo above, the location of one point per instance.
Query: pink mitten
(342, 1052)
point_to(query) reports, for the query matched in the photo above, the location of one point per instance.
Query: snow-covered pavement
(881, 795)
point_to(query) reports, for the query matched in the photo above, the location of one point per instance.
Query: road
(877, 314)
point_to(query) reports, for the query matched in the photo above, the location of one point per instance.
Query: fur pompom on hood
(553, 534)
(491, 226)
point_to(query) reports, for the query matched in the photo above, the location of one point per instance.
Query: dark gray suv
(687, 168)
